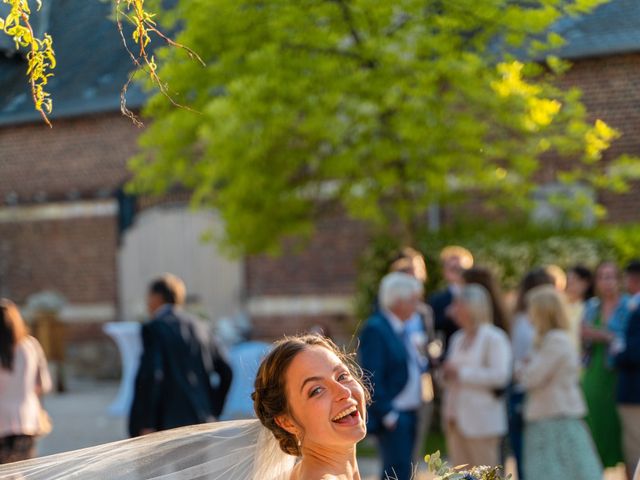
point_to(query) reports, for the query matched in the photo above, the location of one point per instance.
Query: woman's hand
(597, 335)
(450, 372)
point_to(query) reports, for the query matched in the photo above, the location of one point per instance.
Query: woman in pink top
(24, 376)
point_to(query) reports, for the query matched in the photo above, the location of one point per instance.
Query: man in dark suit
(454, 260)
(388, 356)
(183, 378)
(627, 362)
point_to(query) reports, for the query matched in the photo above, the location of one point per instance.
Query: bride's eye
(343, 376)
(314, 391)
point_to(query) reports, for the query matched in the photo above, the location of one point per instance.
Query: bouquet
(462, 472)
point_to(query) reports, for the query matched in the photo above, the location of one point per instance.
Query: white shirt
(523, 336)
(410, 398)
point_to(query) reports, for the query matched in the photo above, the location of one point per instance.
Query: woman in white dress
(308, 395)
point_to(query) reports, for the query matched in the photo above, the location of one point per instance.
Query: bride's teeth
(344, 413)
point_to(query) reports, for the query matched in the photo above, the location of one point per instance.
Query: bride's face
(327, 403)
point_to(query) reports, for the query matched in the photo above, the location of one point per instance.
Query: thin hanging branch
(144, 24)
(40, 57)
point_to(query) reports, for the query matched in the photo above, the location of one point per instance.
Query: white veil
(236, 450)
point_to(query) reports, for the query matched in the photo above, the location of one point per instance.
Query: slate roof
(92, 65)
(611, 29)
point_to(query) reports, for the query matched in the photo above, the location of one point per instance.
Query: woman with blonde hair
(476, 373)
(24, 376)
(557, 442)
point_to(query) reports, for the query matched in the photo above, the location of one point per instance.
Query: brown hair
(269, 396)
(170, 287)
(533, 278)
(12, 331)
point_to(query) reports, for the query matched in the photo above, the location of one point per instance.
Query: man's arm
(145, 409)
(225, 375)
(372, 361)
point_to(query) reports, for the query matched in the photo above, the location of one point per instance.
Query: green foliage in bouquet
(462, 472)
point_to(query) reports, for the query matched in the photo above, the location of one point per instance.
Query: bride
(311, 407)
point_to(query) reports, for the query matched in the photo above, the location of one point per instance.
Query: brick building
(65, 224)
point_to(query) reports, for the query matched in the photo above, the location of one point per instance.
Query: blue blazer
(627, 363)
(173, 387)
(439, 302)
(383, 357)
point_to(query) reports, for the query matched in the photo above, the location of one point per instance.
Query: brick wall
(75, 257)
(326, 266)
(82, 157)
(611, 92)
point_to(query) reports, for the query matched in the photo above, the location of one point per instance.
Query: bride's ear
(284, 422)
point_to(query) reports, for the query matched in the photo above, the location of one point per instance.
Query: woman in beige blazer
(477, 370)
(557, 443)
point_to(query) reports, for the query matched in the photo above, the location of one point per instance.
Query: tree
(376, 108)
(41, 58)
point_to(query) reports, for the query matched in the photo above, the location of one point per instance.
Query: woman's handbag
(45, 425)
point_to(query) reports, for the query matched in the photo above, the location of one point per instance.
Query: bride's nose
(340, 391)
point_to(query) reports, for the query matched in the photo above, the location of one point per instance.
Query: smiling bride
(311, 396)
(311, 406)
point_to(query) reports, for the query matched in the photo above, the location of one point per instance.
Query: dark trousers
(515, 408)
(396, 447)
(15, 448)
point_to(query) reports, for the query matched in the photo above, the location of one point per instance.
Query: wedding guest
(627, 363)
(604, 320)
(557, 442)
(558, 275)
(579, 289)
(411, 262)
(420, 328)
(454, 260)
(388, 355)
(483, 276)
(180, 359)
(24, 377)
(522, 341)
(476, 372)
